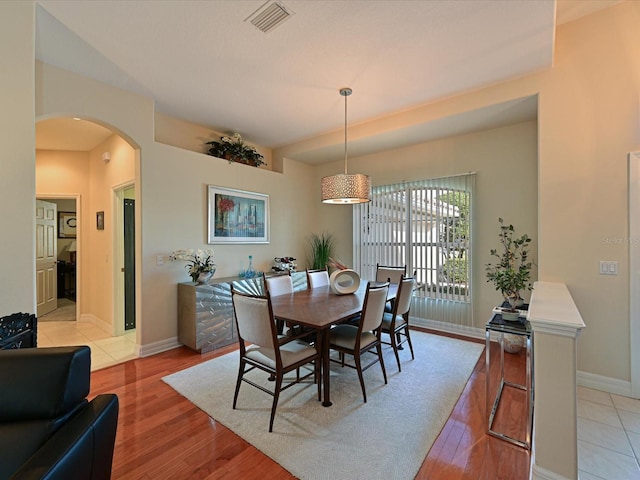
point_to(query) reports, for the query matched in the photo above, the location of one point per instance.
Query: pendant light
(344, 188)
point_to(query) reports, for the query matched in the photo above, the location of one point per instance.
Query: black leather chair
(48, 428)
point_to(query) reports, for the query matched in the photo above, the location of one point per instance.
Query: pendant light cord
(345, 92)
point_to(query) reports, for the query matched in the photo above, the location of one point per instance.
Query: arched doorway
(92, 162)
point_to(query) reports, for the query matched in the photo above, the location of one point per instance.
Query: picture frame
(67, 224)
(237, 216)
(100, 220)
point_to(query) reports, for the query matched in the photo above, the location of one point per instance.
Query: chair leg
(381, 358)
(356, 357)
(276, 395)
(240, 374)
(409, 340)
(394, 344)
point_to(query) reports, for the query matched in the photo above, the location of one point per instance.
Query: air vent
(269, 16)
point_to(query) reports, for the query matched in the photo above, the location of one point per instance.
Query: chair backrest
(317, 278)
(254, 319)
(373, 307)
(402, 304)
(387, 273)
(278, 285)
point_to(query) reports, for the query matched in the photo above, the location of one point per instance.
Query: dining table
(319, 309)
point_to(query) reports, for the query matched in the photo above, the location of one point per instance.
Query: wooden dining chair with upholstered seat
(278, 285)
(268, 352)
(356, 340)
(389, 273)
(317, 278)
(396, 322)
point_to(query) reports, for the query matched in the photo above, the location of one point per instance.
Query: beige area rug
(386, 438)
(66, 312)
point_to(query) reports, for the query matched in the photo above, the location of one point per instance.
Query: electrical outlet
(160, 260)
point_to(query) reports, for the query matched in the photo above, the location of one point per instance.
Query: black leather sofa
(48, 428)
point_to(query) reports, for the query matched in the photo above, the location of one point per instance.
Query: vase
(204, 277)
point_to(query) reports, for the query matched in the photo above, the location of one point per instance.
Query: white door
(46, 257)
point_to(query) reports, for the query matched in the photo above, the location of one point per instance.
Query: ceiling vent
(269, 16)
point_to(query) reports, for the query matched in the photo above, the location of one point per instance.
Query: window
(425, 225)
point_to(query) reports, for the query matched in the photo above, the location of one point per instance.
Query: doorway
(95, 159)
(60, 238)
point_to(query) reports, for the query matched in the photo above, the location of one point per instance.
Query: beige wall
(172, 196)
(505, 161)
(17, 159)
(588, 121)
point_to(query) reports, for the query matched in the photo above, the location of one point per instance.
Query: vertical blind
(425, 225)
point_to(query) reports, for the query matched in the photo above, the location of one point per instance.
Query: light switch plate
(160, 260)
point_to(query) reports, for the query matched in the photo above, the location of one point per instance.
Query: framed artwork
(67, 223)
(236, 216)
(100, 220)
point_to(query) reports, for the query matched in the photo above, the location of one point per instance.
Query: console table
(205, 312)
(520, 328)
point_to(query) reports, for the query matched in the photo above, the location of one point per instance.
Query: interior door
(129, 265)
(46, 257)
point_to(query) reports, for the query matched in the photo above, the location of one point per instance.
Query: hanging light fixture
(344, 188)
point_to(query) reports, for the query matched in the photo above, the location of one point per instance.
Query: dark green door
(129, 265)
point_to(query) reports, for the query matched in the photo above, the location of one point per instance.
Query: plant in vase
(321, 249)
(511, 273)
(234, 149)
(200, 266)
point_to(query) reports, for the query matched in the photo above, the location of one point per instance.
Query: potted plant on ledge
(234, 149)
(511, 273)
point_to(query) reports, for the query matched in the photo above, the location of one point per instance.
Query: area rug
(386, 438)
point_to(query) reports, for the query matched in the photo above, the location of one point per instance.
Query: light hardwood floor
(161, 435)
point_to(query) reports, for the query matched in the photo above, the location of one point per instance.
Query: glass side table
(521, 328)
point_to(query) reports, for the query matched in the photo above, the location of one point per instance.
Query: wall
(172, 198)
(17, 160)
(505, 161)
(587, 123)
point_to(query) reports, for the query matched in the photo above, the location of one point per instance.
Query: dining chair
(279, 285)
(389, 273)
(317, 278)
(356, 340)
(266, 352)
(396, 322)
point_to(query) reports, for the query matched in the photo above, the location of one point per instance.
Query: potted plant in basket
(234, 149)
(511, 273)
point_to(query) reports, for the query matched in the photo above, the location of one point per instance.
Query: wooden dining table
(319, 308)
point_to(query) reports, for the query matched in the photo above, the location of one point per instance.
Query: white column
(556, 324)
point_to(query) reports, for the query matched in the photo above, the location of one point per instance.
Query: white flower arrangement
(200, 261)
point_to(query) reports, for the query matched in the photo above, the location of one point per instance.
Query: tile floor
(608, 436)
(105, 349)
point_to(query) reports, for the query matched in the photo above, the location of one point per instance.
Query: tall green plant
(321, 249)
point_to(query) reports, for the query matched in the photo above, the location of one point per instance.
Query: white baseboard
(604, 384)
(464, 330)
(540, 473)
(157, 347)
(98, 322)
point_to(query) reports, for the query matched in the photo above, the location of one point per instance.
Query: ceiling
(202, 62)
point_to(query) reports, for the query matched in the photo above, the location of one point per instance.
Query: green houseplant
(234, 149)
(511, 273)
(321, 249)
